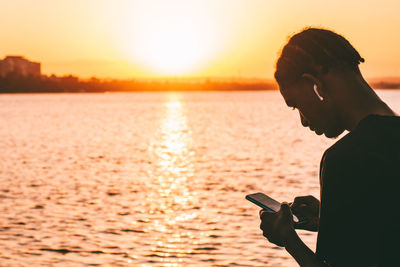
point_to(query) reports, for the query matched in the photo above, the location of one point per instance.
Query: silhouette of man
(356, 220)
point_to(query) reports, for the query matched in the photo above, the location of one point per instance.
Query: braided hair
(315, 51)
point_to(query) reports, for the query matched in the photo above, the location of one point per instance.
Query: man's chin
(328, 134)
(333, 135)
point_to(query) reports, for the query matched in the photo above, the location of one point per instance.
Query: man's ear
(320, 90)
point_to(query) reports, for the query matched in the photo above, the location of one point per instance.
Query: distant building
(20, 66)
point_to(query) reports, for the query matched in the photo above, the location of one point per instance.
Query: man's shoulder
(374, 133)
(359, 176)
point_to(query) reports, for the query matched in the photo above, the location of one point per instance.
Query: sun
(171, 50)
(173, 37)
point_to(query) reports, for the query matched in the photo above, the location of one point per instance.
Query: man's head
(311, 71)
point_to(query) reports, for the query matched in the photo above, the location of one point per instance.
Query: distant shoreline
(52, 84)
(14, 83)
(165, 91)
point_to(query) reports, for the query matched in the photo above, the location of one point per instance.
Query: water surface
(149, 179)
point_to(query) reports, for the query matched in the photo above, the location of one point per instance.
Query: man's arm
(278, 228)
(301, 253)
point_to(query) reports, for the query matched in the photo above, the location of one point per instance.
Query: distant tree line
(15, 83)
(385, 85)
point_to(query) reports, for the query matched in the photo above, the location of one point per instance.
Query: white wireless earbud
(317, 93)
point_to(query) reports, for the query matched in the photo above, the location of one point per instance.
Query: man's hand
(278, 226)
(306, 208)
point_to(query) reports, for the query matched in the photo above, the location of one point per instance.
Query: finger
(303, 201)
(300, 200)
(285, 208)
(297, 201)
(302, 224)
(307, 209)
(298, 206)
(263, 211)
(307, 199)
(303, 209)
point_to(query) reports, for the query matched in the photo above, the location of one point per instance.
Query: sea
(150, 179)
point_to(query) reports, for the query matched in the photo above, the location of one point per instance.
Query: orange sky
(222, 38)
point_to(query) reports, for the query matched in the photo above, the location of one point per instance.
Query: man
(318, 75)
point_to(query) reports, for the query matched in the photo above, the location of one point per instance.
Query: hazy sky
(137, 38)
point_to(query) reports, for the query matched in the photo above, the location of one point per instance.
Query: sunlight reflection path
(171, 201)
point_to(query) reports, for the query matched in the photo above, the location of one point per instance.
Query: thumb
(286, 209)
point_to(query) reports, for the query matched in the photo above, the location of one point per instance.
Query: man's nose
(303, 119)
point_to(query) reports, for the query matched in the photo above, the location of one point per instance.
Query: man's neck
(366, 102)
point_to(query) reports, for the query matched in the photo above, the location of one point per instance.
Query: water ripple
(149, 178)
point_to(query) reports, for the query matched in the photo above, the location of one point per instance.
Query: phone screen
(265, 202)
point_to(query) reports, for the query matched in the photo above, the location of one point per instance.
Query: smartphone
(267, 203)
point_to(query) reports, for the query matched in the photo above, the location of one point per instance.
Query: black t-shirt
(359, 178)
